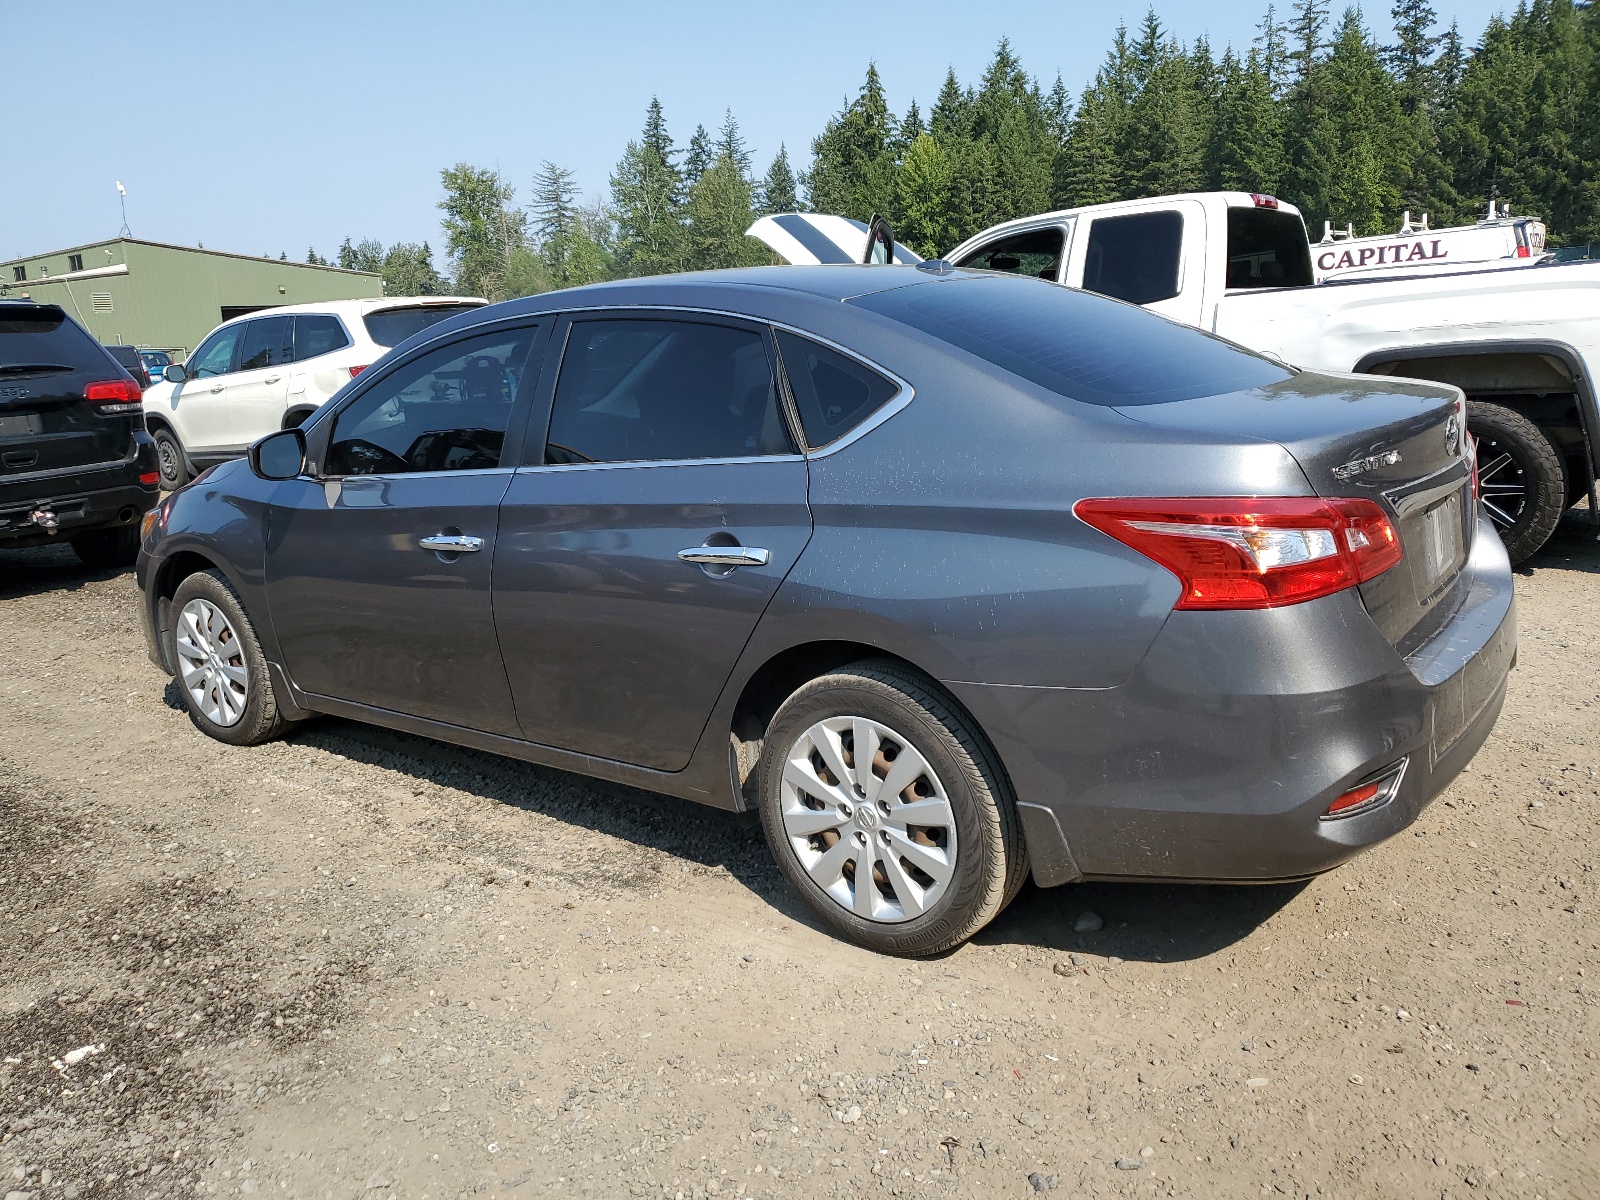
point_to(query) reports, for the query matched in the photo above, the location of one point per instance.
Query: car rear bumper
(81, 500)
(1218, 760)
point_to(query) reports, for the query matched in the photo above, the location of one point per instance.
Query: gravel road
(357, 963)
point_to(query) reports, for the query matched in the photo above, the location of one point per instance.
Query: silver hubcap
(868, 819)
(211, 661)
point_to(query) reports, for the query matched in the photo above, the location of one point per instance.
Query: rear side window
(1037, 252)
(316, 334)
(48, 338)
(645, 390)
(266, 343)
(394, 325)
(1135, 258)
(833, 393)
(1267, 248)
(1077, 345)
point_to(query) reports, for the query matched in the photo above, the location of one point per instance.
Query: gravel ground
(356, 963)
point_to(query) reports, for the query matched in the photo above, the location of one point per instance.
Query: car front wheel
(887, 812)
(221, 670)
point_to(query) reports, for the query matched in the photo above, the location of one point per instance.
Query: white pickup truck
(1523, 344)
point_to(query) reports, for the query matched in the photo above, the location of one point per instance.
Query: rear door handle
(217, 387)
(452, 543)
(272, 379)
(726, 556)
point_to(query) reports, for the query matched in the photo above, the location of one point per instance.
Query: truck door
(1154, 258)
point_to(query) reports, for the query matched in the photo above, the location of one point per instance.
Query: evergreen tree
(1411, 57)
(408, 270)
(698, 160)
(718, 211)
(554, 202)
(1305, 35)
(645, 200)
(852, 165)
(1246, 151)
(1162, 150)
(778, 189)
(923, 201)
(1272, 53)
(730, 144)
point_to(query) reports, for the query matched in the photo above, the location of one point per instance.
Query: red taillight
(1261, 201)
(112, 396)
(1261, 552)
(354, 371)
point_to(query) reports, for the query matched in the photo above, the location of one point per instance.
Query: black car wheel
(170, 460)
(887, 812)
(221, 670)
(1520, 476)
(104, 548)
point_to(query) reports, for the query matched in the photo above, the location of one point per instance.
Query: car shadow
(51, 568)
(1142, 921)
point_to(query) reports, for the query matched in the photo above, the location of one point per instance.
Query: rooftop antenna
(122, 199)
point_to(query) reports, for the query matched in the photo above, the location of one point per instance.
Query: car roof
(357, 308)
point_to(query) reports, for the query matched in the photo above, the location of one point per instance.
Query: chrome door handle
(452, 543)
(726, 556)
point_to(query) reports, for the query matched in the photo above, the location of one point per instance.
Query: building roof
(184, 250)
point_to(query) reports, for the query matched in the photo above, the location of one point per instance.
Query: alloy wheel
(868, 819)
(211, 662)
(1502, 482)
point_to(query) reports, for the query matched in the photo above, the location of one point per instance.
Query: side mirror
(175, 373)
(280, 455)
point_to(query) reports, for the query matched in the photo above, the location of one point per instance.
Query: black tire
(170, 459)
(259, 721)
(105, 548)
(1523, 481)
(991, 860)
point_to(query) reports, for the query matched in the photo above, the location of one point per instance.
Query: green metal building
(162, 297)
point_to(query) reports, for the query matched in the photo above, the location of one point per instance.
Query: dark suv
(75, 460)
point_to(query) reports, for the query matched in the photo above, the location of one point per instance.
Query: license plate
(20, 425)
(1441, 538)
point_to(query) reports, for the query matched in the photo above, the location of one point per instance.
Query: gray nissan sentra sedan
(953, 577)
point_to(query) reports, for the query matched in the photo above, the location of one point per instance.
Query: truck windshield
(1267, 248)
(1076, 344)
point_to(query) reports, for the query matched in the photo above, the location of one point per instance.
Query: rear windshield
(46, 338)
(1267, 248)
(394, 325)
(1078, 345)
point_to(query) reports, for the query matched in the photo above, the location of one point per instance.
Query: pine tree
(1305, 35)
(1246, 152)
(778, 188)
(718, 211)
(923, 198)
(1162, 150)
(951, 117)
(408, 270)
(646, 192)
(1271, 52)
(553, 203)
(1411, 57)
(730, 144)
(852, 164)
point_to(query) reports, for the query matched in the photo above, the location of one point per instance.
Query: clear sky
(269, 127)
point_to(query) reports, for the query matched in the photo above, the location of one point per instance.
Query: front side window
(446, 411)
(266, 343)
(215, 356)
(834, 393)
(1136, 257)
(1037, 252)
(316, 334)
(1267, 248)
(648, 390)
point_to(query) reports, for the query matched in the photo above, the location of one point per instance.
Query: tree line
(1315, 110)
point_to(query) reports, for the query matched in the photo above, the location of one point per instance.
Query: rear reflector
(150, 479)
(1253, 552)
(1378, 790)
(113, 395)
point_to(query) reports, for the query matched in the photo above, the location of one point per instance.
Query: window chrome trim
(904, 397)
(663, 462)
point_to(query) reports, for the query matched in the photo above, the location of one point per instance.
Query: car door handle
(452, 543)
(217, 387)
(272, 379)
(726, 556)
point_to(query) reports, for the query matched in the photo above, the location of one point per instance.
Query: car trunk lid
(1400, 443)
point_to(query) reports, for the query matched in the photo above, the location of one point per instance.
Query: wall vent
(100, 301)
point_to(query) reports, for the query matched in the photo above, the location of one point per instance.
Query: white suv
(270, 370)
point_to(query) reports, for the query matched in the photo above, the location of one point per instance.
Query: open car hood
(809, 239)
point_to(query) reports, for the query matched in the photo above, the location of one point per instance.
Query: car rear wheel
(221, 670)
(1521, 477)
(170, 460)
(103, 548)
(887, 812)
